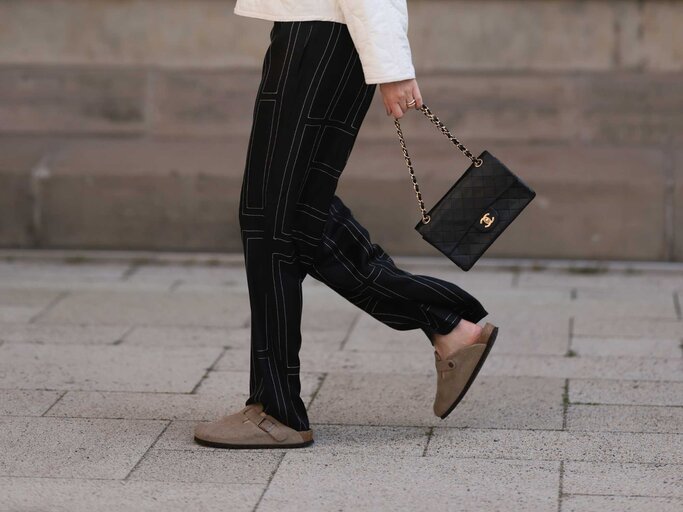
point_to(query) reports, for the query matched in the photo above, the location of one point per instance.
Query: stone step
(182, 194)
(454, 35)
(604, 107)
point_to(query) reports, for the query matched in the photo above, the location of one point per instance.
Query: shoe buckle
(269, 425)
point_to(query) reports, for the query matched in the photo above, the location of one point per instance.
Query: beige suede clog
(250, 428)
(455, 374)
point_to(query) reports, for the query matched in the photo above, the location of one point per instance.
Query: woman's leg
(309, 107)
(362, 272)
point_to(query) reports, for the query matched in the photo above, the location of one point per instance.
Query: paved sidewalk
(106, 365)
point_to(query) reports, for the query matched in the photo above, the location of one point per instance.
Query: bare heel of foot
(465, 333)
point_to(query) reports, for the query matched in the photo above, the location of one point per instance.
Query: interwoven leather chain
(435, 120)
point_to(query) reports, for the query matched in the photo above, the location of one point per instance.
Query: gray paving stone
(311, 339)
(556, 445)
(346, 361)
(21, 402)
(579, 503)
(11, 296)
(362, 482)
(94, 286)
(371, 335)
(179, 436)
(62, 334)
(222, 394)
(638, 303)
(627, 368)
(218, 309)
(18, 313)
(66, 495)
(625, 418)
(625, 392)
(228, 285)
(58, 273)
(530, 333)
(170, 406)
(381, 440)
(547, 334)
(190, 275)
(103, 367)
(21, 305)
(195, 336)
(329, 439)
(73, 448)
(212, 466)
(539, 300)
(625, 326)
(607, 280)
(323, 311)
(474, 281)
(621, 346)
(384, 399)
(369, 395)
(597, 303)
(664, 480)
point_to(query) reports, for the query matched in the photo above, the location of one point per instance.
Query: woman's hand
(397, 95)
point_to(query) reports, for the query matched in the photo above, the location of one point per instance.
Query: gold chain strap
(435, 120)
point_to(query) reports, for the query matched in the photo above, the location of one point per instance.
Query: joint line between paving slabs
(430, 432)
(677, 306)
(272, 475)
(355, 321)
(208, 370)
(132, 269)
(148, 449)
(668, 203)
(317, 390)
(54, 403)
(565, 403)
(560, 492)
(516, 277)
(47, 308)
(122, 338)
(570, 338)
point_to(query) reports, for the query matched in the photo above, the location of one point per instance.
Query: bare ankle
(465, 333)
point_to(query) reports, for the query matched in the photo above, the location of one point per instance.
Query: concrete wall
(124, 123)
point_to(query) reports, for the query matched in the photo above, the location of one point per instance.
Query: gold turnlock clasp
(487, 220)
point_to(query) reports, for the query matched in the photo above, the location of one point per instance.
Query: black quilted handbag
(475, 210)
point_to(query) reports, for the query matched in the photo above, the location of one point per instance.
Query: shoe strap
(262, 421)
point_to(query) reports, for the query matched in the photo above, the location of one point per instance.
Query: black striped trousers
(310, 105)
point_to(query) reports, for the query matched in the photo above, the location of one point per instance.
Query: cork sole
(214, 444)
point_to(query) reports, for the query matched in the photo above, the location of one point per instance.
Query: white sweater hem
(289, 17)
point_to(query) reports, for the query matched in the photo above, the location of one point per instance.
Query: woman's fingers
(417, 96)
(398, 95)
(396, 110)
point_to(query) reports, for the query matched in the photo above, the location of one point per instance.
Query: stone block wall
(124, 123)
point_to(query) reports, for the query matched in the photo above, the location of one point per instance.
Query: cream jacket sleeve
(379, 29)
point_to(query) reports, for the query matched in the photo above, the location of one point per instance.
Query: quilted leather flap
(467, 201)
